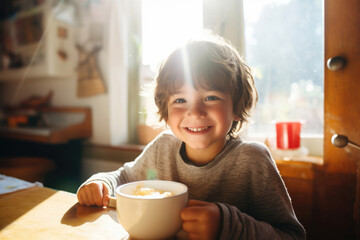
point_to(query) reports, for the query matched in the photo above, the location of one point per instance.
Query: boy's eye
(179, 100)
(211, 98)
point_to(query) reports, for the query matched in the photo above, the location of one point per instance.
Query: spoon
(341, 141)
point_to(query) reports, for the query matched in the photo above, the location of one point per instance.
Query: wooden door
(335, 210)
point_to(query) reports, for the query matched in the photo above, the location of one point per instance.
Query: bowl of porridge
(151, 209)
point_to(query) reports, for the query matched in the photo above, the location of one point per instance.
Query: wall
(109, 110)
(98, 158)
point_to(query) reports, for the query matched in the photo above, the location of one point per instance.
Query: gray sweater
(242, 180)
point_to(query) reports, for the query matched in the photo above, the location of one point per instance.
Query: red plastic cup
(288, 135)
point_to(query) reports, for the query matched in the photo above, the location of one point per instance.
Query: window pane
(284, 46)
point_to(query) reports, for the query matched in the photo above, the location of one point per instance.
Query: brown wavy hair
(210, 63)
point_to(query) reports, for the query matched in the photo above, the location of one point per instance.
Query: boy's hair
(213, 64)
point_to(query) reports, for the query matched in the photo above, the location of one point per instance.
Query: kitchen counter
(62, 124)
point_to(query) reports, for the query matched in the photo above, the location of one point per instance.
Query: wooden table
(44, 213)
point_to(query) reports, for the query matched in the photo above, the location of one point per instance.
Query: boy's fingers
(106, 200)
(190, 226)
(97, 195)
(196, 203)
(105, 189)
(106, 195)
(94, 193)
(191, 213)
(80, 199)
(194, 236)
(89, 198)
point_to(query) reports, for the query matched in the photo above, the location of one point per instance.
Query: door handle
(336, 63)
(341, 141)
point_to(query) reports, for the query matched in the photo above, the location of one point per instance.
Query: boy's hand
(94, 193)
(201, 220)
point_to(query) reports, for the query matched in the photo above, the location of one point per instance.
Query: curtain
(124, 61)
(118, 72)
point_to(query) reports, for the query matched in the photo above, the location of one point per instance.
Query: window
(284, 46)
(165, 25)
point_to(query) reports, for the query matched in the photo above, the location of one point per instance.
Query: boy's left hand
(201, 220)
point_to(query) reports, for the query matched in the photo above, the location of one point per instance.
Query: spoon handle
(112, 202)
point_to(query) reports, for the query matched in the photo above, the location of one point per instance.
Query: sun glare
(167, 24)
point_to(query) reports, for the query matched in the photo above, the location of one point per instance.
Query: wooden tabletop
(43, 213)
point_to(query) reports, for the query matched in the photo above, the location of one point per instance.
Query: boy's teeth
(197, 129)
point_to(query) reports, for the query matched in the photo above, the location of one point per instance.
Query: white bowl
(151, 218)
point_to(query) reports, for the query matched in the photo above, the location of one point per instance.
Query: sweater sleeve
(269, 213)
(238, 225)
(131, 171)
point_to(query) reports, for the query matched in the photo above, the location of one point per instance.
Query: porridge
(147, 192)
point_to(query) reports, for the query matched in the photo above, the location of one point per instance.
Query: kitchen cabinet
(59, 139)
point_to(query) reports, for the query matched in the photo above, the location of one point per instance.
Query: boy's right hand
(95, 193)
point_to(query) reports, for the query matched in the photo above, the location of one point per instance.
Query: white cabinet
(38, 37)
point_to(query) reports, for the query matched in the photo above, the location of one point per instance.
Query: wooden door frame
(334, 213)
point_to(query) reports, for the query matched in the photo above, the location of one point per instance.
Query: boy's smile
(202, 119)
(197, 130)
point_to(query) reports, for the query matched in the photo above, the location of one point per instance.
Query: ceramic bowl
(149, 217)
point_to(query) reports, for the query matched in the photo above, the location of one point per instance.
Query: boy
(204, 92)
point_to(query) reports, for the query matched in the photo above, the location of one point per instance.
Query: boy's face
(200, 118)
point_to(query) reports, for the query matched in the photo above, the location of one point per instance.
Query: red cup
(288, 135)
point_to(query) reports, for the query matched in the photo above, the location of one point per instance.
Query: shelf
(37, 37)
(63, 124)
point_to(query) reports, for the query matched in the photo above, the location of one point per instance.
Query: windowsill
(137, 148)
(307, 159)
(119, 154)
(312, 142)
(299, 169)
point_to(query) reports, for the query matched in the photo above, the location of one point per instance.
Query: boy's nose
(197, 110)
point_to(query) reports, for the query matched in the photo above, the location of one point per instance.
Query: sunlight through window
(284, 46)
(167, 24)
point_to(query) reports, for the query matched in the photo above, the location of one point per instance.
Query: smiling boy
(201, 119)
(205, 92)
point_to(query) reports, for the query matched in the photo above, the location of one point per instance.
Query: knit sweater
(242, 180)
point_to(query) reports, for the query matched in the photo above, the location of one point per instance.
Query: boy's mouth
(197, 130)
